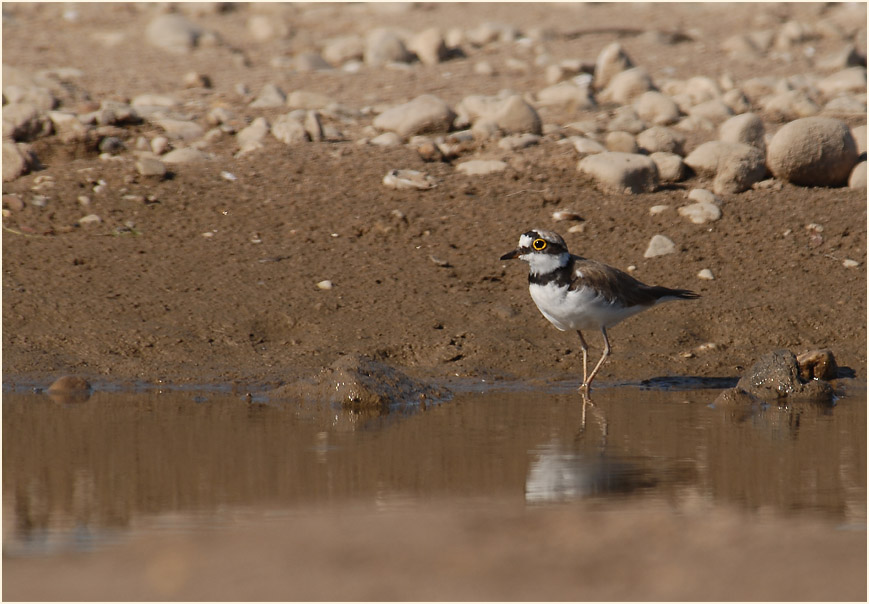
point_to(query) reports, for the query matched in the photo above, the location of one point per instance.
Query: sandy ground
(144, 295)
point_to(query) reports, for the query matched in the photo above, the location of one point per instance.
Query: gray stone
(814, 151)
(847, 81)
(181, 129)
(343, 49)
(659, 245)
(738, 169)
(149, 166)
(746, 128)
(611, 60)
(657, 108)
(621, 141)
(270, 96)
(661, 138)
(384, 46)
(183, 155)
(568, 95)
(289, 130)
(776, 375)
(626, 85)
(516, 116)
(518, 141)
(426, 113)
(174, 33)
(481, 167)
(18, 159)
(857, 180)
(670, 166)
(701, 212)
(252, 137)
(621, 172)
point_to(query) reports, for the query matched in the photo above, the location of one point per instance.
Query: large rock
(739, 169)
(621, 172)
(425, 113)
(813, 151)
(776, 376)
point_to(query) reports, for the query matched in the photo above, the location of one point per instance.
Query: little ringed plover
(577, 293)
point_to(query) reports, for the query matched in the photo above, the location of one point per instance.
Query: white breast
(582, 308)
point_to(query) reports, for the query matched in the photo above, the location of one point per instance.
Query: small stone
(270, 96)
(565, 215)
(611, 60)
(623, 142)
(660, 245)
(706, 275)
(714, 110)
(387, 139)
(857, 180)
(289, 130)
(89, 219)
(409, 179)
(738, 169)
(173, 32)
(313, 125)
(310, 61)
(657, 108)
(18, 159)
(701, 213)
(303, 99)
(252, 137)
(516, 116)
(848, 263)
(429, 46)
(266, 27)
(670, 166)
(659, 209)
(111, 145)
(746, 128)
(148, 166)
(661, 138)
(850, 80)
(484, 68)
(814, 151)
(159, 145)
(568, 95)
(325, 284)
(626, 86)
(703, 196)
(627, 120)
(183, 155)
(181, 129)
(383, 46)
(586, 146)
(621, 172)
(518, 141)
(481, 167)
(194, 79)
(425, 113)
(790, 105)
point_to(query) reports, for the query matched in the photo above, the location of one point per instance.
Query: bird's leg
(606, 352)
(584, 356)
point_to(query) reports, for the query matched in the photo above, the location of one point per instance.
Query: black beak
(511, 255)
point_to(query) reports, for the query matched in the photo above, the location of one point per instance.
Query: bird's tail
(665, 293)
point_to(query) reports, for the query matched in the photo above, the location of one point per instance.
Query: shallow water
(86, 478)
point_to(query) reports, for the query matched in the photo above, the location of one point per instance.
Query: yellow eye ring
(539, 244)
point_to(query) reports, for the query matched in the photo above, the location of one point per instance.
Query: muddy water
(145, 495)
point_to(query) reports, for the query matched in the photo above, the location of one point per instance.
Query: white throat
(542, 264)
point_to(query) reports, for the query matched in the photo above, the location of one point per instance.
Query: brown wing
(614, 284)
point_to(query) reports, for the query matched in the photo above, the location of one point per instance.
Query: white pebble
(706, 274)
(325, 284)
(655, 210)
(408, 179)
(848, 263)
(660, 246)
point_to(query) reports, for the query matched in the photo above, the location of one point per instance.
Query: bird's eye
(539, 244)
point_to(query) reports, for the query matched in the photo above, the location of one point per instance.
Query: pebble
(790, 105)
(289, 130)
(310, 61)
(714, 110)
(518, 141)
(586, 146)
(703, 196)
(183, 155)
(814, 151)
(670, 166)
(706, 275)
(657, 108)
(661, 138)
(621, 172)
(565, 215)
(848, 263)
(387, 139)
(484, 129)
(89, 219)
(850, 80)
(857, 180)
(746, 128)
(409, 179)
(342, 49)
(149, 166)
(612, 60)
(325, 284)
(621, 141)
(266, 27)
(660, 245)
(384, 46)
(704, 159)
(159, 145)
(173, 32)
(425, 113)
(18, 159)
(69, 383)
(270, 96)
(484, 68)
(314, 126)
(13, 202)
(627, 120)
(626, 86)
(701, 212)
(429, 46)
(659, 209)
(252, 137)
(739, 168)
(852, 105)
(111, 145)
(22, 122)
(303, 99)
(515, 116)
(567, 94)
(181, 129)
(481, 167)
(194, 79)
